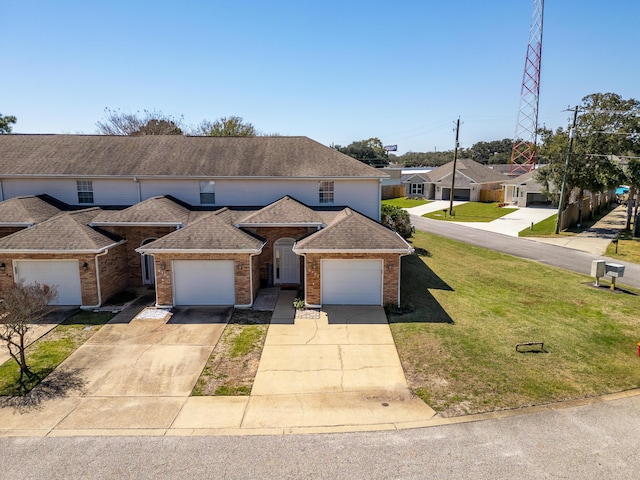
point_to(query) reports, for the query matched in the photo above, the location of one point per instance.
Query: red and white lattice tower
(523, 152)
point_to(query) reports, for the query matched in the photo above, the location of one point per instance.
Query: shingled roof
(164, 210)
(175, 156)
(68, 232)
(286, 211)
(26, 211)
(476, 172)
(209, 234)
(352, 232)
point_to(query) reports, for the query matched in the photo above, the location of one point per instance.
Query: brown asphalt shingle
(285, 211)
(26, 211)
(476, 172)
(154, 210)
(175, 156)
(66, 232)
(209, 233)
(350, 230)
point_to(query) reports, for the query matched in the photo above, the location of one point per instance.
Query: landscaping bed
(233, 364)
(45, 354)
(467, 307)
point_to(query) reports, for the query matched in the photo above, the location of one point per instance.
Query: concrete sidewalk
(596, 239)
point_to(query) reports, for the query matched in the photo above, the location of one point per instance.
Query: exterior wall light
(163, 266)
(85, 266)
(3, 267)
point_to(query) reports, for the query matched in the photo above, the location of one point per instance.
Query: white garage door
(63, 274)
(203, 282)
(352, 282)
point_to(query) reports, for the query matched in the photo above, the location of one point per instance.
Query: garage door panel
(352, 282)
(64, 275)
(204, 282)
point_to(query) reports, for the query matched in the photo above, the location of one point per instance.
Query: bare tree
(21, 308)
(116, 122)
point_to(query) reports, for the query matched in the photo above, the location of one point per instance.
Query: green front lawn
(628, 248)
(472, 212)
(46, 353)
(545, 228)
(468, 307)
(405, 202)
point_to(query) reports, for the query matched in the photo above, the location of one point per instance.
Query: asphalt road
(562, 257)
(598, 441)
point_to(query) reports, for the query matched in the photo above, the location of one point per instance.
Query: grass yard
(472, 212)
(233, 364)
(46, 353)
(405, 202)
(628, 248)
(544, 228)
(470, 306)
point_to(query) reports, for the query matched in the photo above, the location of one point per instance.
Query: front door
(148, 266)
(286, 264)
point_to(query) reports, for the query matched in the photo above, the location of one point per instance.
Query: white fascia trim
(24, 224)
(70, 252)
(302, 251)
(186, 177)
(248, 225)
(137, 224)
(153, 251)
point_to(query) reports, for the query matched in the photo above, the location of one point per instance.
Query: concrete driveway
(141, 371)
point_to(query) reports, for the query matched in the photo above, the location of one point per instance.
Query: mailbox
(614, 270)
(597, 268)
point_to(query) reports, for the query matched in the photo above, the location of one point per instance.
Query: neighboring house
(525, 191)
(226, 224)
(470, 178)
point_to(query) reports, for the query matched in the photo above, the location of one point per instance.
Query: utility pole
(572, 134)
(453, 174)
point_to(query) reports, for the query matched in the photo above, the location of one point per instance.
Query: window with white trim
(207, 192)
(417, 189)
(85, 191)
(325, 192)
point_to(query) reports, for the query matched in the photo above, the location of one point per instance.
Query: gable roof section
(352, 232)
(210, 234)
(26, 211)
(68, 232)
(175, 156)
(286, 211)
(475, 171)
(164, 210)
(416, 178)
(528, 178)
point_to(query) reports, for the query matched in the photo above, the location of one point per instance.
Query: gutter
(249, 305)
(98, 288)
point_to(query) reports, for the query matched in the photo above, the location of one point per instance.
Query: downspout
(379, 199)
(309, 305)
(249, 305)
(135, 179)
(98, 289)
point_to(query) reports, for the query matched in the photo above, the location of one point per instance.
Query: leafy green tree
(116, 122)
(494, 152)
(226, 127)
(370, 151)
(5, 123)
(22, 306)
(632, 173)
(397, 220)
(607, 127)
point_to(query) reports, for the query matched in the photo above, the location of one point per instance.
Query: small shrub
(298, 303)
(397, 220)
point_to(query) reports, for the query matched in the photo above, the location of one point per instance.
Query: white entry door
(64, 275)
(351, 282)
(286, 264)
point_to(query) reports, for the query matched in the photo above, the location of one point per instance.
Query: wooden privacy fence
(489, 196)
(393, 191)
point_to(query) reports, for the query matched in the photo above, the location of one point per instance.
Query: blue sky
(335, 71)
